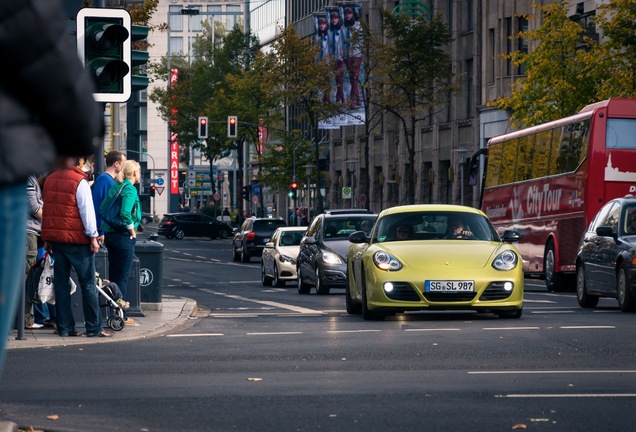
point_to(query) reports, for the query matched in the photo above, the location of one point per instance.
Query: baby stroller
(111, 299)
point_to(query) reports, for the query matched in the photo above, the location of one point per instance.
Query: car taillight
(250, 236)
(168, 223)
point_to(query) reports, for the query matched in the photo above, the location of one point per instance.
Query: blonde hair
(128, 169)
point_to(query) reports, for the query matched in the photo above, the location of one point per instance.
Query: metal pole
(461, 185)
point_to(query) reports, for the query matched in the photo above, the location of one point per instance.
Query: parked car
(249, 240)
(180, 225)
(278, 262)
(424, 257)
(321, 260)
(146, 218)
(606, 259)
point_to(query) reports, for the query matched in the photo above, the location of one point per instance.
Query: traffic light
(103, 45)
(294, 188)
(138, 59)
(246, 192)
(232, 125)
(153, 189)
(203, 127)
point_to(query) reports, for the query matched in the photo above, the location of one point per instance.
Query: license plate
(449, 286)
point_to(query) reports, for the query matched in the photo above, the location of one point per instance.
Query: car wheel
(179, 234)
(277, 282)
(245, 257)
(367, 314)
(236, 256)
(303, 288)
(514, 314)
(321, 289)
(267, 281)
(223, 234)
(553, 281)
(585, 300)
(145, 220)
(353, 308)
(625, 300)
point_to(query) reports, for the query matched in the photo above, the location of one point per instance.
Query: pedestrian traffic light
(103, 45)
(203, 127)
(138, 58)
(232, 126)
(153, 189)
(246, 192)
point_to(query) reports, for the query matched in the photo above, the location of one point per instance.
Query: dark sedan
(249, 240)
(606, 261)
(180, 225)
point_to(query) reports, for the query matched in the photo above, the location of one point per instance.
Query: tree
(561, 76)
(416, 76)
(295, 79)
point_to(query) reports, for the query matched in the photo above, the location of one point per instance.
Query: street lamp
(352, 163)
(462, 151)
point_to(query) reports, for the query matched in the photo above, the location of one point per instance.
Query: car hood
(290, 251)
(341, 247)
(454, 254)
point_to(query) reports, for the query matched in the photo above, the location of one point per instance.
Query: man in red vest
(69, 229)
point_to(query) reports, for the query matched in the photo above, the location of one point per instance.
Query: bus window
(494, 164)
(573, 146)
(621, 134)
(508, 161)
(524, 160)
(541, 156)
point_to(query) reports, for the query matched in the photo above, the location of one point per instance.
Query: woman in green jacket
(121, 244)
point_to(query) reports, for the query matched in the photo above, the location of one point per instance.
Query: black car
(321, 262)
(146, 218)
(180, 225)
(606, 260)
(251, 237)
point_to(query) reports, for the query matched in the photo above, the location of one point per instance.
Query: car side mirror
(310, 240)
(605, 231)
(510, 236)
(358, 237)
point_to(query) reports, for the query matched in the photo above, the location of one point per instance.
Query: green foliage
(276, 162)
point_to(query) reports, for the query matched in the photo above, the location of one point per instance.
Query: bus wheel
(553, 281)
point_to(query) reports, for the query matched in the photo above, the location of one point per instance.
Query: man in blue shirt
(114, 161)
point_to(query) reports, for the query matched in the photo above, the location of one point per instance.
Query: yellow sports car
(424, 257)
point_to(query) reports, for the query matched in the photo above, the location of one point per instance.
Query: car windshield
(291, 238)
(339, 228)
(629, 220)
(431, 225)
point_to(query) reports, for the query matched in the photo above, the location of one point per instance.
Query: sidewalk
(176, 311)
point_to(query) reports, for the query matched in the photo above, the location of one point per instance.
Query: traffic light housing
(103, 45)
(294, 187)
(138, 59)
(232, 126)
(153, 189)
(203, 127)
(246, 192)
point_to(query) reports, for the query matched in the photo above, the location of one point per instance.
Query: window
(469, 88)
(494, 164)
(522, 44)
(143, 118)
(214, 18)
(194, 21)
(508, 161)
(176, 45)
(491, 45)
(232, 19)
(175, 21)
(509, 37)
(621, 134)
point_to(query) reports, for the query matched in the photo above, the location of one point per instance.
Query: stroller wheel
(116, 323)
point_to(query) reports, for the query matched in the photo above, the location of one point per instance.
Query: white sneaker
(35, 326)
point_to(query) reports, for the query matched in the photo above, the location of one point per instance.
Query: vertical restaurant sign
(174, 143)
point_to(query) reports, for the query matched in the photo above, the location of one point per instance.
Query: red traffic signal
(203, 127)
(232, 126)
(294, 185)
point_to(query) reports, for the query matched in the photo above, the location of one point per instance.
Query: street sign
(256, 189)
(363, 199)
(216, 196)
(346, 192)
(160, 189)
(255, 199)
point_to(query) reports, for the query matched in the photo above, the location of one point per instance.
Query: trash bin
(150, 254)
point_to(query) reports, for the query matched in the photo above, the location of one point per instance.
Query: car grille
(495, 291)
(402, 291)
(449, 297)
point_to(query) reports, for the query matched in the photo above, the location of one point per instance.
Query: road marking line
(550, 372)
(195, 335)
(200, 257)
(273, 333)
(511, 328)
(538, 301)
(267, 303)
(353, 331)
(428, 330)
(564, 395)
(588, 327)
(552, 312)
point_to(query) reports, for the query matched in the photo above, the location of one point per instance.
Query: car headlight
(286, 260)
(507, 260)
(331, 258)
(385, 261)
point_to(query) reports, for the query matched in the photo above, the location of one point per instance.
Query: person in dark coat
(46, 109)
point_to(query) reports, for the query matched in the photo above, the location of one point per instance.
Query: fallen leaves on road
(53, 417)
(255, 379)
(519, 426)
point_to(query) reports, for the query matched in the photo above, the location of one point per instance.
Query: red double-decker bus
(547, 182)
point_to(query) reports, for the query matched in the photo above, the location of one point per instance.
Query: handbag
(110, 212)
(46, 291)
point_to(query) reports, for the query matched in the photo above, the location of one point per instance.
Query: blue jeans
(13, 207)
(121, 251)
(82, 260)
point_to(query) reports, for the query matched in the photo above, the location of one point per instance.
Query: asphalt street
(268, 359)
